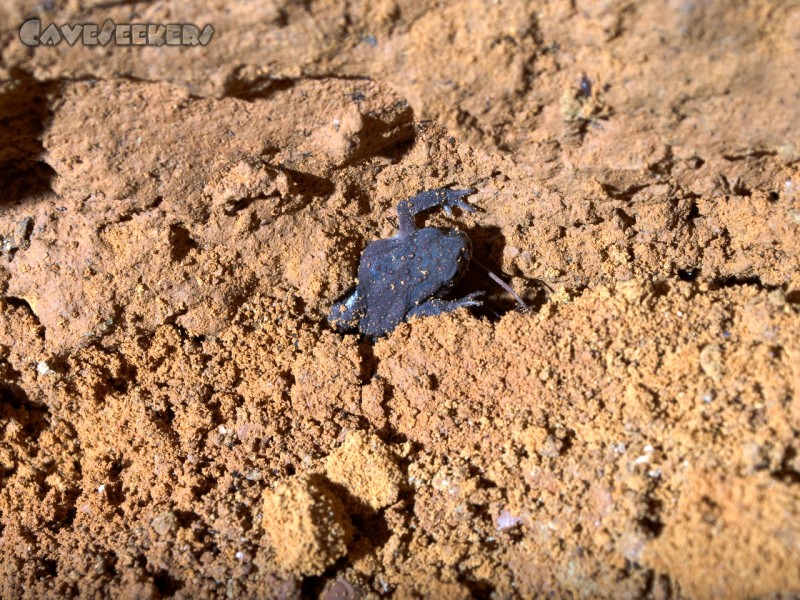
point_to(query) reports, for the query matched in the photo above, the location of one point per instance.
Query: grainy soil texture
(178, 419)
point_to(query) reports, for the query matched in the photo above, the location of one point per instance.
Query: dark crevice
(180, 242)
(626, 194)
(47, 568)
(26, 114)
(166, 585)
(746, 155)
(650, 523)
(107, 5)
(694, 213)
(306, 186)
(391, 140)
(736, 281)
(787, 472)
(369, 362)
(16, 302)
(665, 165)
(625, 219)
(479, 588)
(234, 207)
(128, 216)
(660, 288)
(261, 88)
(15, 398)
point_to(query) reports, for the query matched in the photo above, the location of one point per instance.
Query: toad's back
(399, 273)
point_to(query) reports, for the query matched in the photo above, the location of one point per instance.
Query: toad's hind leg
(407, 209)
(436, 306)
(345, 315)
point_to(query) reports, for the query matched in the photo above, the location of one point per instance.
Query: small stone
(43, 368)
(711, 361)
(164, 523)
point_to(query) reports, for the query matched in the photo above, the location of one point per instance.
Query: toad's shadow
(487, 255)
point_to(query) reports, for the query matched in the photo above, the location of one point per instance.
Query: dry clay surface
(177, 419)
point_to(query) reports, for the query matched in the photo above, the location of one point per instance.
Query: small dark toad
(407, 275)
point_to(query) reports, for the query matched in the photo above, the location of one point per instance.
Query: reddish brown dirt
(177, 419)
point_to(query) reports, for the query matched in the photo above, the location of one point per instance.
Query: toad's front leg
(407, 209)
(437, 306)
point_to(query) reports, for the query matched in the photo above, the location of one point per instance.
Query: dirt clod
(306, 525)
(367, 469)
